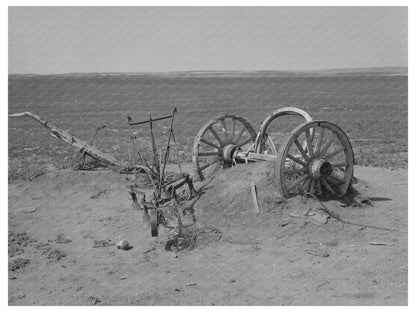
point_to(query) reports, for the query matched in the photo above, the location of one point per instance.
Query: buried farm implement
(314, 158)
(165, 196)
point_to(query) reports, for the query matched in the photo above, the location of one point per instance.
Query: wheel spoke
(244, 143)
(295, 171)
(336, 152)
(327, 186)
(309, 143)
(210, 163)
(240, 135)
(297, 181)
(225, 130)
(300, 162)
(312, 187)
(216, 136)
(305, 185)
(319, 144)
(301, 150)
(210, 144)
(233, 131)
(318, 187)
(213, 153)
(327, 145)
(313, 134)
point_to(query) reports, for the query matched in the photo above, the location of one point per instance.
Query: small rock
(123, 244)
(94, 300)
(232, 280)
(321, 218)
(29, 210)
(318, 253)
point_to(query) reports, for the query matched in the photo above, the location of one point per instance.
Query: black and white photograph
(207, 155)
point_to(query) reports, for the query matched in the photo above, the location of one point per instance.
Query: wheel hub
(228, 152)
(320, 168)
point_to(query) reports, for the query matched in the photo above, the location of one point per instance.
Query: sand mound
(227, 204)
(226, 197)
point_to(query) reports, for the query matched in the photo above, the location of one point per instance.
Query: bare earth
(280, 257)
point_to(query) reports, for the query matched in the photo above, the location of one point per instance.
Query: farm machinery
(315, 158)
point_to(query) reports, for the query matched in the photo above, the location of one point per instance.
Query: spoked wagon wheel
(269, 141)
(316, 158)
(217, 140)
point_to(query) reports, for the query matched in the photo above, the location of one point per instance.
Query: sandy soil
(63, 227)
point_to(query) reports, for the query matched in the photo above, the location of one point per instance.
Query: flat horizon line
(403, 70)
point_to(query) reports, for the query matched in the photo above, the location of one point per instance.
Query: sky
(49, 40)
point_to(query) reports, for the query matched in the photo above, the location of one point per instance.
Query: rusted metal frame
(162, 176)
(156, 163)
(131, 123)
(186, 179)
(151, 173)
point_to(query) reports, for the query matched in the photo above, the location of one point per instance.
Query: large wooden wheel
(316, 158)
(268, 142)
(217, 140)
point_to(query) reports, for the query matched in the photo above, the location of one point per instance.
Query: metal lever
(131, 123)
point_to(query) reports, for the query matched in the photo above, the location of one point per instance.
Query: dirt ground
(63, 228)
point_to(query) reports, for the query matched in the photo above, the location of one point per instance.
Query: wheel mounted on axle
(315, 158)
(217, 140)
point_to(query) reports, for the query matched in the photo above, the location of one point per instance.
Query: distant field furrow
(372, 108)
